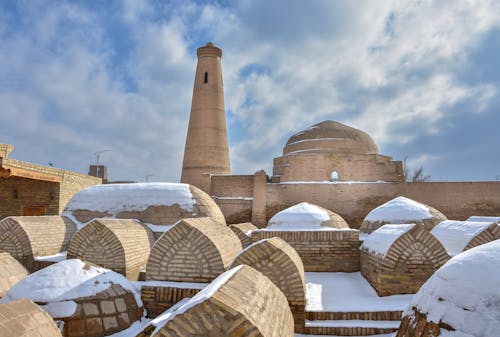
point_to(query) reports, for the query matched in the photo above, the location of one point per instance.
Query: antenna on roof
(98, 155)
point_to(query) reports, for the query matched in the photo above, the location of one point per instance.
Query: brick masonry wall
(232, 185)
(157, 299)
(417, 325)
(72, 183)
(235, 210)
(321, 251)
(241, 230)
(456, 200)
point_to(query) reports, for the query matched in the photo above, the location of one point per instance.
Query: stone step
(350, 327)
(354, 315)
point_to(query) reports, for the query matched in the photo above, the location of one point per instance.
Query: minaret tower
(207, 150)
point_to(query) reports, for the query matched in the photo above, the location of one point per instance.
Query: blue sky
(422, 77)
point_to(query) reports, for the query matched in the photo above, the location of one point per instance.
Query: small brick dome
(11, 272)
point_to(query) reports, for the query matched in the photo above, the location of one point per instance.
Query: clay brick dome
(460, 299)
(333, 137)
(11, 272)
(240, 302)
(23, 318)
(401, 210)
(306, 216)
(193, 250)
(26, 237)
(156, 204)
(83, 299)
(122, 245)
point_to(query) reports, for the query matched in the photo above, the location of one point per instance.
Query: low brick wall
(157, 299)
(321, 251)
(354, 315)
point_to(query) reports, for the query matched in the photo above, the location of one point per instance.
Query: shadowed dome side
(330, 136)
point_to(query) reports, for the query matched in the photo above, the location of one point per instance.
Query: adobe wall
(30, 192)
(456, 200)
(234, 195)
(72, 183)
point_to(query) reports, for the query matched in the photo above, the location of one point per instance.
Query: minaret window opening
(206, 77)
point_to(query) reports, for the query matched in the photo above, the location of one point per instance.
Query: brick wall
(321, 251)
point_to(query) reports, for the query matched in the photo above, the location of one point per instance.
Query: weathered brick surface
(278, 261)
(25, 237)
(194, 250)
(408, 263)
(329, 251)
(353, 315)
(157, 299)
(491, 233)
(347, 331)
(248, 304)
(23, 318)
(11, 272)
(117, 244)
(108, 312)
(241, 230)
(417, 325)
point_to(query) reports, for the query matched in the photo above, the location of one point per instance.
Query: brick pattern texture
(25, 237)
(11, 272)
(417, 325)
(408, 263)
(491, 233)
(194, 250)
(23, 318)
(240, 229)
(321, 251)
(248, 304)
(157, 299)
(278, 261)
(117, 244)
(108, 312)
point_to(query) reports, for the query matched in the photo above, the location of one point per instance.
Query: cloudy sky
(422, 77)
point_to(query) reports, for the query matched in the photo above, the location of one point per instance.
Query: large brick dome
(333, 137)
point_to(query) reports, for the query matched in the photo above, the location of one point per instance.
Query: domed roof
(330, 136)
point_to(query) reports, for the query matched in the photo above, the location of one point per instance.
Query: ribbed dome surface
(330, 136)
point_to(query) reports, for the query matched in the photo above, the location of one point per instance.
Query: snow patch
(52, 258)
(301, 216)
(399, 210)
(170, 284)
(484, 218)
(68, 280)
(464, 293)
(381, 240)
(456, 235)
(60, 309)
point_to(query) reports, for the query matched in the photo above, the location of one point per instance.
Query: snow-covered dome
(401, 210)
(330, 136)
(305, 216)
(155, 204)
(461, 299)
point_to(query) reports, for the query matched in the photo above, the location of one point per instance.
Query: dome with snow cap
(401, 210)
(158, 205)
(460, 299)
(73, 291)
(330, 136)
(305, 216)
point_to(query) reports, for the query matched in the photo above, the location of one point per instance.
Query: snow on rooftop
(399, 210)
(484, 218)
(381, 240)
(348, 292)
(456, 235)
(464, 293)
(116, 198)
(303, 216)
(200, 297)
(68, 280)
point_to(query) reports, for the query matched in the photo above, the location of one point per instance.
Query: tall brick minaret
(207, 150)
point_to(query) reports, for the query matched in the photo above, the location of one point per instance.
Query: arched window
(206, 77)
(334, 176)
